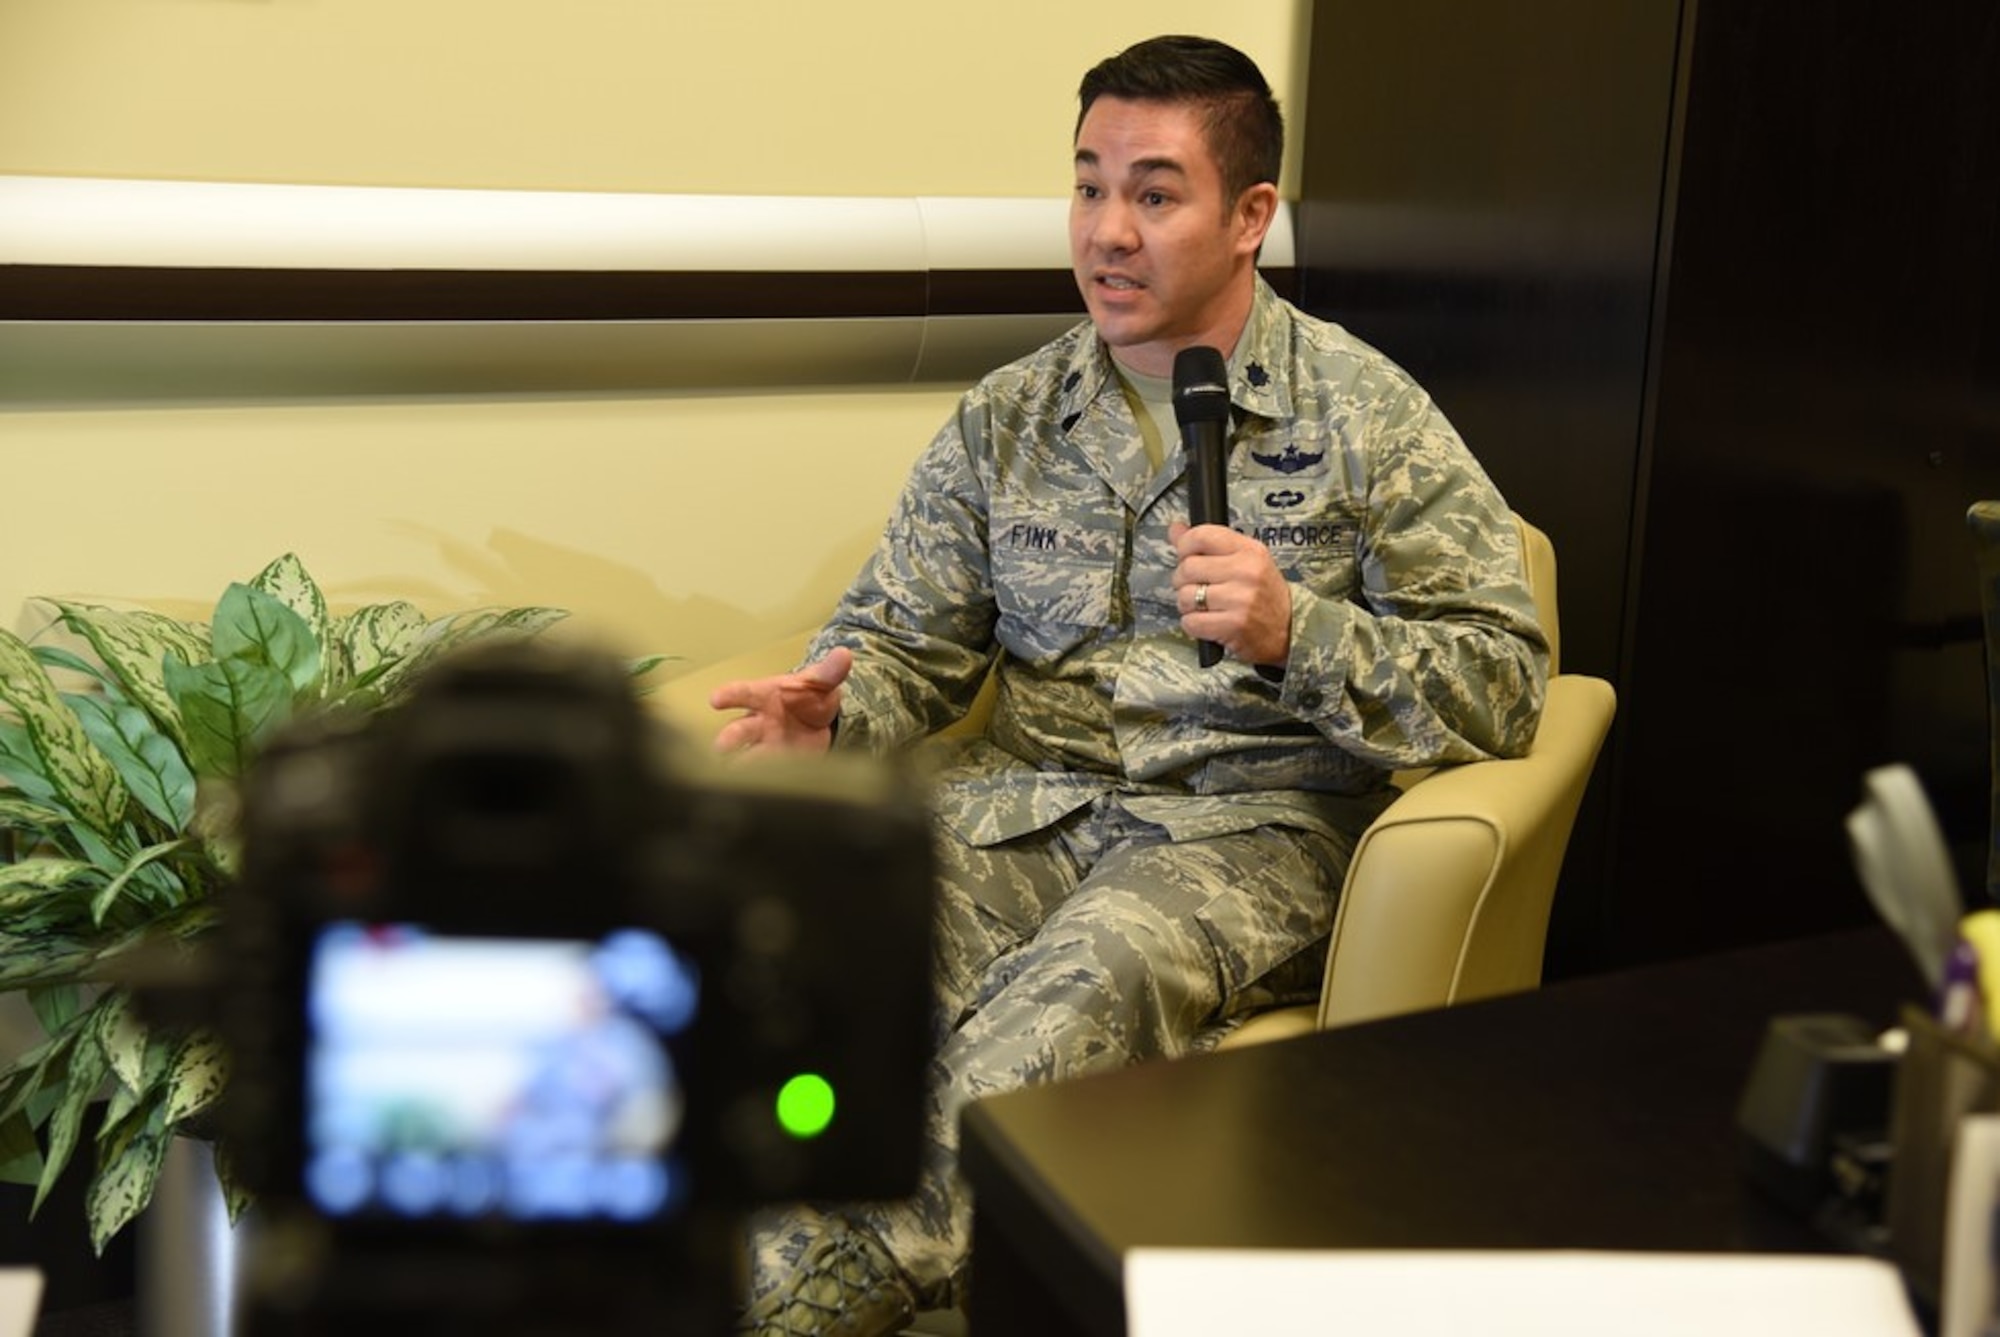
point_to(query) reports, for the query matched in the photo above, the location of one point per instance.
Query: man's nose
(1112, 228)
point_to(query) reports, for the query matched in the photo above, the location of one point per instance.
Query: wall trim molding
(150, 291)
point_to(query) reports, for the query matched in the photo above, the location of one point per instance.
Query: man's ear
(1255, 210)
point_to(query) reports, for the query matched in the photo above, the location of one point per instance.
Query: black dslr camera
(530, 1004)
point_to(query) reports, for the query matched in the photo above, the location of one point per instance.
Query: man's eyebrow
(1140, 166)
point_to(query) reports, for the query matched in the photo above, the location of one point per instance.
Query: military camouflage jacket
(1033, 531)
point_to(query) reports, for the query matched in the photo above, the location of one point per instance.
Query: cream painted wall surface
(889, 97)
(685, 526)
(688, 524)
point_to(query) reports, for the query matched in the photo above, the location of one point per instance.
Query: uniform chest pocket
(1054, 580)
(1313, 551)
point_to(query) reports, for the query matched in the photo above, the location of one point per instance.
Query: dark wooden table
(1597, 1113)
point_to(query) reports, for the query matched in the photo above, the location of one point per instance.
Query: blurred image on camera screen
(486, 1077)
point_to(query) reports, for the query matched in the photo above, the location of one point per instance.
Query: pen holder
(1942, 1078)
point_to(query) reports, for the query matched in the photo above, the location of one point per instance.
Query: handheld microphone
(1201, 406)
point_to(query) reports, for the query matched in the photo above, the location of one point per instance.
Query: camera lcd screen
(465, 1078)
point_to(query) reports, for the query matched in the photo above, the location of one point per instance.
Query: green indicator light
(805, 1105)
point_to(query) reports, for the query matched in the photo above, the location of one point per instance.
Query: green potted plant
(117, 772)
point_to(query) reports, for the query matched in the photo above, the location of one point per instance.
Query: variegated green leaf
(134, 645)
(121, 1102)
(379, 635)
(439, 638)
(76, 771)
(121, 1038)
(184, 924)
(252, 625)
(56, 1006)
(40, 958)
(217, 809)
(529, 621)
(147, 760)
(46, 874)
(86, 1074)
(456, 630)
(102, 852)
(640, 667)
(162, 882)
(228, 707)
(19, 764)
(22, 1090)
(287, 581)
(50, 656)
(101, 905)
(21, 814)
(125, 1178)
(199, 1071)
(236, 1196)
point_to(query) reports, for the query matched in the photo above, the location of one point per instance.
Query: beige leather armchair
(1448, 896)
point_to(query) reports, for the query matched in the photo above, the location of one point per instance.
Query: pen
(1959, 1008)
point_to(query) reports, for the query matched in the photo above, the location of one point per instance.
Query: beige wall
(685, 524)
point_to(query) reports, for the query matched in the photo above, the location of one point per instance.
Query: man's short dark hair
(1246, 131)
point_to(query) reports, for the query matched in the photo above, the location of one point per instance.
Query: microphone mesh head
(1201, 385)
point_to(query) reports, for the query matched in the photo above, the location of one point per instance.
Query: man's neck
(1157, 359)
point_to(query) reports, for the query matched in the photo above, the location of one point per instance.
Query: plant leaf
(44, 958)
(86, 1073)
(76, 771)
(147, 760)
(228, 707)
(254, 626)
(22, 815)
(126, 1174)
(56, 1006)
(134, 646)
(378, 635)
(199, 1071)
(236, 1196)
(19, 766)
(530, 621)
(108, 896)
(25, 879)
(455, 630)
(44, 1065)
(49, 656)
(121, 1037)
(288, 581)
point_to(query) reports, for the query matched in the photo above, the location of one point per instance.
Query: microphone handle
(1208, 497)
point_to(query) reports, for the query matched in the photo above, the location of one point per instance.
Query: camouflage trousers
(1094, 944)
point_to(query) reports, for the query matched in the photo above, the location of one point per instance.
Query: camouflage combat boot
(846, 1285)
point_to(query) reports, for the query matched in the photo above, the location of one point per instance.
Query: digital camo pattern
(1094, 944)
(1034, 530)
(1140, 848)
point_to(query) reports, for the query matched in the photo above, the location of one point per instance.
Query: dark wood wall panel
(1711, 289)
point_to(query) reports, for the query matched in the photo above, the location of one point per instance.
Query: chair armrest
(1448, 895)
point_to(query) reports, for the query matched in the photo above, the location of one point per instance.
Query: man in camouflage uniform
(1141, 849)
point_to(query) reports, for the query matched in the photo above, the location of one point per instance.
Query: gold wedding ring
(1201, 597)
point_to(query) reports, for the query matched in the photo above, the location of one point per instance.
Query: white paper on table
(1562, 1293)
(20, 1300)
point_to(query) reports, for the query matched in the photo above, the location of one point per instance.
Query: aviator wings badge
(1290, 462)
